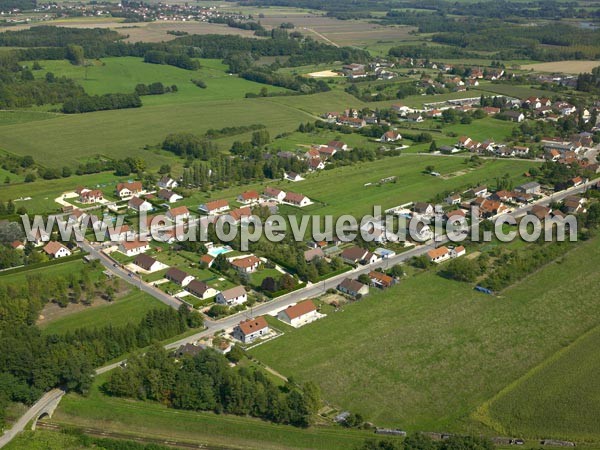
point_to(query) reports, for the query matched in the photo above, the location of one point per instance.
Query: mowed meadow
(425, 354)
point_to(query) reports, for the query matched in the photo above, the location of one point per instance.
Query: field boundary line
(482, 413)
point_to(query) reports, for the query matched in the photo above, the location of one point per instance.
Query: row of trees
(206, 382)
(156, 88)
(89, 103)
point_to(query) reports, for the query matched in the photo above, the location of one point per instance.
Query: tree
(260, 138)
(30, 178)
(433, 147)
(75, 54)
(364, 279)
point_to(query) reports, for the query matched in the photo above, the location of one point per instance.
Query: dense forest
(206, 382)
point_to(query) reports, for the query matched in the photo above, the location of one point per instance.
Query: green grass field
(425, 354)
(559, 398)
(157, 421)
(129, 309)
(111, 75)
(337, 191)
(57, 270)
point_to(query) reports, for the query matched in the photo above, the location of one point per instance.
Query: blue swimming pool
(216, 251)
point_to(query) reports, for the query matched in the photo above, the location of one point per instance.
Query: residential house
(313, 253)
(274, 193)
(232, 297)
(207, 260)
(457, 252)
(240, 214)
(503, 196)
(133, 248)
(248, 197)
(532, 188)
(326, 151)
(178, 213)
(520, 150)
(490, 110)
(391, 136)
(453, 199)
(294, 177)
(424, 209)
(169, 196)
(574, 205)
(299, 314)
(296, 199)
(478, 191)
(126, 190)
(167, 182)
(514, 116)
(381, 280)
(540, 211)
(576, 182)
(246, 264)
(353, 255)
(56, 250)
(17, 245)
(249, 330)
(89, 195)
(338, 145)
(147, 263)
(214, 206)
(401, 109)
(139, 204)
(351, 122)
(314, 164)
(353, 288)
(438, 255)
(200, 289)
(178, 276)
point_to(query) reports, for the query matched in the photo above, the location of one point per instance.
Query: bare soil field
(323, 74)
(563, 66)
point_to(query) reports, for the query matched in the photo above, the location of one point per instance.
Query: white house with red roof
(248, 197)
(56, 250)
(299, 314)
(249, 330)
(133, 248)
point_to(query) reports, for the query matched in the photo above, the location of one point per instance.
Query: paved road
(129, 277)
(49, 401)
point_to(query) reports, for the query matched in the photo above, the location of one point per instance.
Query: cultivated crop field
(425, 354)
(560, 397)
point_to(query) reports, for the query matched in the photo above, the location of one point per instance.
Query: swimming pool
(216, 251)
